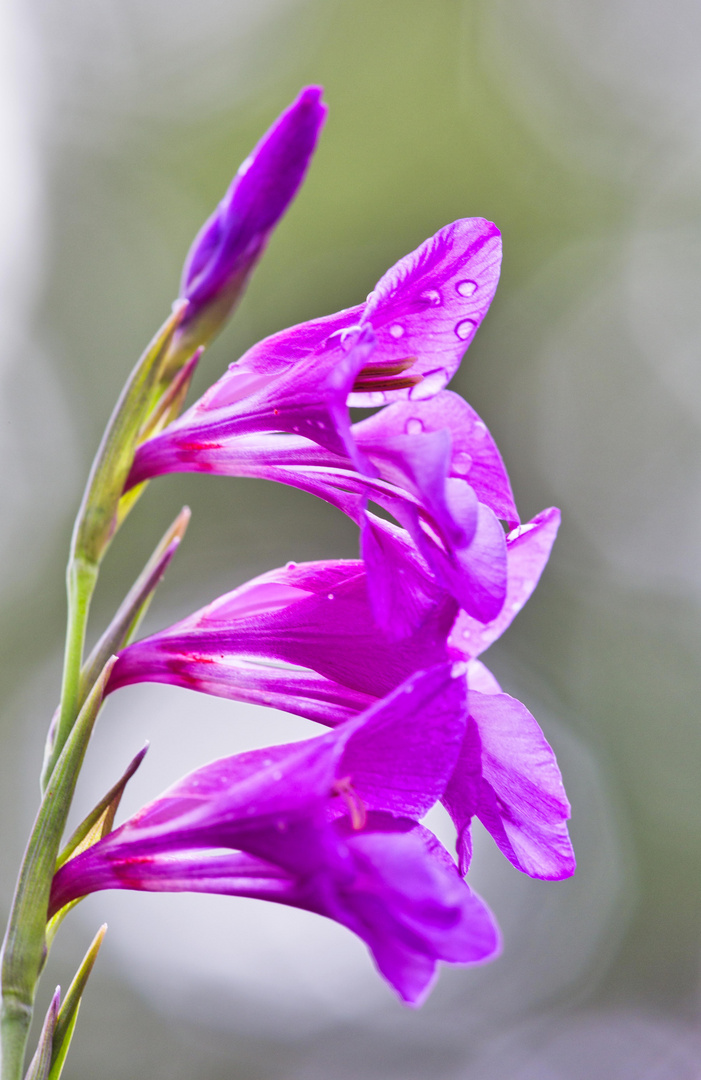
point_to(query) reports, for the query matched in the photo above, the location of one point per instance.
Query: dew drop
(480, 429)
(414, 426)
(462, 463)
(466, 288)
(396, 330)
(432, 297)
(348, 331)
(330, 596)
(432, 382)
(516, 605)
(291, 566)
(464, 329)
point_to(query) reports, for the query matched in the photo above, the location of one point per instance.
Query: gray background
(577, 128)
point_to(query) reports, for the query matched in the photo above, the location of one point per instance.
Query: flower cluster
(383, 650)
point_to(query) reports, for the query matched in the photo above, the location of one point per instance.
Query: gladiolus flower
(281, 413)
(329, 825)
(316, 619)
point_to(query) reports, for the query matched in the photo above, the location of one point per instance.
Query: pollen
(355, 805)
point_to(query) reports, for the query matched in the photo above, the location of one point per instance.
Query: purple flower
(431, 464)
(318, 618)
(507, 775)
(315, 616)
(281, 412)
(423, 312)
(232, 240)
(329, 825)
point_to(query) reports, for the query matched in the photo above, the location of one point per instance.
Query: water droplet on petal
(432, 382)
(330, 596)
(396, 330)
(516, 605)
(480, 429)
(414, 426)
(348, 331)
(291, 566)
(462, 463)
(466, 288)
(464, 329)
(369, 296)
(431, 296)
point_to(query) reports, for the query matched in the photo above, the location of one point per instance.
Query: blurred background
(577, 129)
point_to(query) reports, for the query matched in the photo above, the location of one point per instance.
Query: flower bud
(231, 241)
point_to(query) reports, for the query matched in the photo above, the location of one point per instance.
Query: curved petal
(411, 907)
(430, 303)
(527, 551)
(522, 800)
(473, 453)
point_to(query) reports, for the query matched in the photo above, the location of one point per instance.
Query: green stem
(80, 580)
(24, 946)
(15, 1018)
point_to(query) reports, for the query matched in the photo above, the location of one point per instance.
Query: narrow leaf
(41, 1062)
(172, 400)
(68, 1013)
(130, 613)
(97, 824)
(100, 820)
(24, 948)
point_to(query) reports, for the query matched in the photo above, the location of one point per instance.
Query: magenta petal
(397, 577)
(417, 911)
(527, 551)
(461, 796)
(522, 800)
(316, 616)
(404, 751)
(476, 574)
(480, 678)
(277, 352)
(473, 453)
(430, 303)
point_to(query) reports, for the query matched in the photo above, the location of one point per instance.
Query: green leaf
(99, 821)
(68, 1013)
(135, 605)
(24, 948)
(41, 1062)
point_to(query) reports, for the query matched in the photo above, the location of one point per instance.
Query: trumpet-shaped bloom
(329, 825)
(426, 309)
(302, 638)
(432, 464)
(232, 240)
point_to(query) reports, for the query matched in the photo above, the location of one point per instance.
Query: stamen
(355, 805)
(382, 376)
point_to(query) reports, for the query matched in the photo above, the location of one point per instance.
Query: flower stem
(24, 947)
(81, 578)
